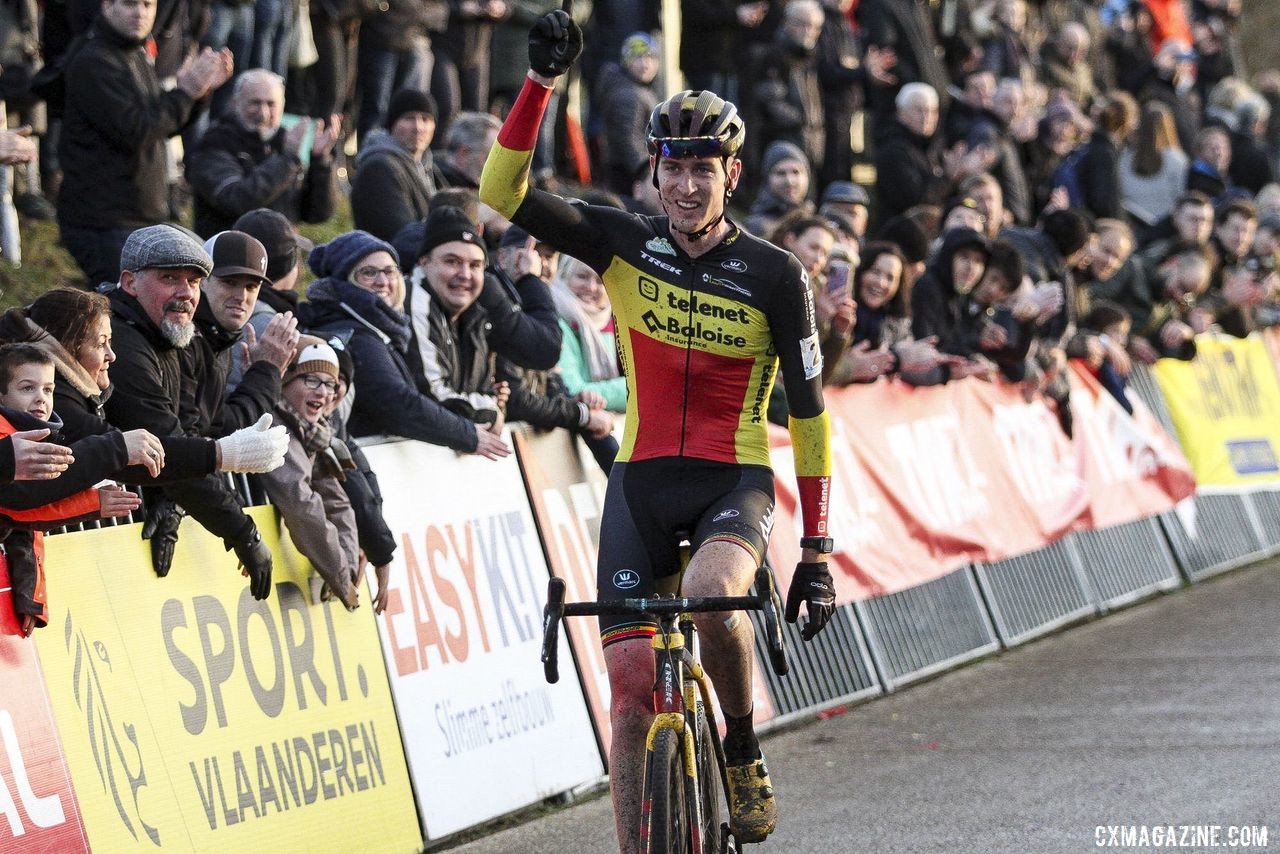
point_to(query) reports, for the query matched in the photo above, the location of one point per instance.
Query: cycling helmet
(707, 125)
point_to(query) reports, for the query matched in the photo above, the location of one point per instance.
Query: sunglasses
(695, 146)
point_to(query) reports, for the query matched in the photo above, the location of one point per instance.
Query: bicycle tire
(665, 815)
(710, 788)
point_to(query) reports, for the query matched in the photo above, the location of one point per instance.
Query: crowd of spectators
(974, 187)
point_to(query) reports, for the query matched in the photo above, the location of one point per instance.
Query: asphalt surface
(1167, 713)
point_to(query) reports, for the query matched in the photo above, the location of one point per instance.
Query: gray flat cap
(164, 246)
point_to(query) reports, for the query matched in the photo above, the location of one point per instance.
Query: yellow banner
(195, 718)
(1226, 407)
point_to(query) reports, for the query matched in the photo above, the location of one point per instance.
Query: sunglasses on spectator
(370, 274)
(314, 382)
(696, 146)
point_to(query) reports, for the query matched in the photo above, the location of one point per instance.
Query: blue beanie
(337, 257)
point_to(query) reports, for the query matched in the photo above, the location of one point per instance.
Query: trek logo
(725, 514)
(726, 284)
(648, 289)
(660, 263)
(625, 579)
(672, 328)
(660, 245)
(734, 265)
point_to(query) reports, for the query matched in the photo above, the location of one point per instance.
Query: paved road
(1167, 713)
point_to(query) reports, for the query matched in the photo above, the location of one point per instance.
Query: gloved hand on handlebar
(555, 42)
(811, 584)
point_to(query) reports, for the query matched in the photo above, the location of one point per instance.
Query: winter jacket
(232, 171)
(787, 98)
(388, 400)
(113, 148)
(316, 511)
(391, 189)
(524, 327)
(450, 358)
(935, 304)
(1099, 173)
(625, 105)
(767, 210)
(362, 489)
(205, 407)
(577, 374)
(148, 376)
(908, 171)
(69, 497)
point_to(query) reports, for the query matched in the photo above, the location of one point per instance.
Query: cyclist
(704, 313)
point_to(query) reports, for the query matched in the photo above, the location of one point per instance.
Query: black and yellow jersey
(700, 339)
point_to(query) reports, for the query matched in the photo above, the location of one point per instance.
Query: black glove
(161, 528)
(255, 562)
(812, 584)
(555, 42)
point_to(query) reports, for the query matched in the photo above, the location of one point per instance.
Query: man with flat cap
(153, 323)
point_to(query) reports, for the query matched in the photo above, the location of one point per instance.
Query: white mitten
(255, 449)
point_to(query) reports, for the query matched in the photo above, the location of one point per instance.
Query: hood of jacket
(333, 300)
(952, 242)
(21, 421)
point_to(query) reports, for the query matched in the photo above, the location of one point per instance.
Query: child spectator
(1102, 343)
(26, 403)
(307, 489)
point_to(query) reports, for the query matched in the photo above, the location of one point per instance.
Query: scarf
(589, 323)
(314, 437)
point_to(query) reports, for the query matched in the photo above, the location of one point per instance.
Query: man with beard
(153, 311)
(248, 160)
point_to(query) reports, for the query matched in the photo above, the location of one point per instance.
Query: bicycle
(685, 781)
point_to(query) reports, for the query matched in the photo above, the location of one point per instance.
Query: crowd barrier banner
(1225, 404)
(1134, 468)
(38, 809)
(926, 480)
(462, 633)
(567, 491)
(196, 718)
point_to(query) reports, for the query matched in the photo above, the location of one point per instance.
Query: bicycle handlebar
(765, 600)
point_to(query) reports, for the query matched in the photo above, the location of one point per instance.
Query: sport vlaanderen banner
(1225, 404)
(196, 718)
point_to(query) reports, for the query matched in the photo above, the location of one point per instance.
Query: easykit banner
(1135, 469)
(1225, 404)
(462, 635)
(926, 480)
(566, 488)
(38, 809)
(195, 718)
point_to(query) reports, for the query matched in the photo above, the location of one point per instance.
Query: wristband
(822, 545)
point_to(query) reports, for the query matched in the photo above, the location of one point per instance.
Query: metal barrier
(917, 632)
(1035, 593)
(834, 667)
(1213, 533)
(1143, 383)
(1127, 563)
(1266, 507)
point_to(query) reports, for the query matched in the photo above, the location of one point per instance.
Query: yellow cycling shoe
(753, 812)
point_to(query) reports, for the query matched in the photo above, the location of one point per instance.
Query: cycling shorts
(651, 505)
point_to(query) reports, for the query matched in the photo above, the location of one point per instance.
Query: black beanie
(448, 224)
(908, 236)
(410, 101)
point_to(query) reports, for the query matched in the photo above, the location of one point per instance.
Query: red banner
(1135, 469)
(926, 480)
(38, 809)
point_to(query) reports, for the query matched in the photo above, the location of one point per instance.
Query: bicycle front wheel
(665, 818)
(709, 786)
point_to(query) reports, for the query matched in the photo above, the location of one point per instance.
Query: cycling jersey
(700, 339)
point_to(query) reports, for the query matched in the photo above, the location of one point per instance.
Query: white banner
(484, 733)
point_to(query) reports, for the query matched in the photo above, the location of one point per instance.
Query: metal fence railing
(1127, 563)
(922, 630)
(1036, 593)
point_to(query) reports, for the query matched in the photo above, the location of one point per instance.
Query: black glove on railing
(161, 529)
(255, 562)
